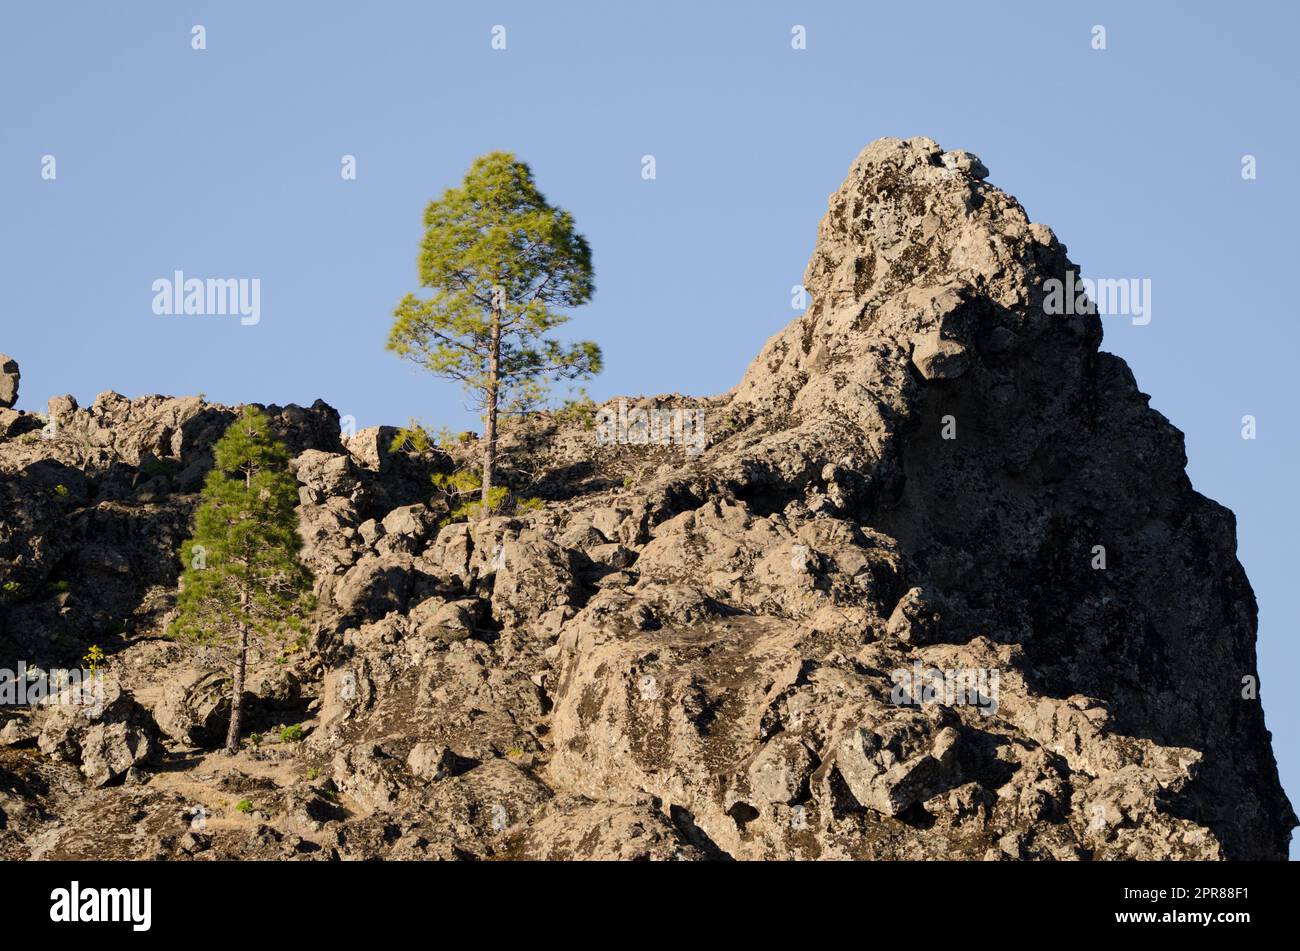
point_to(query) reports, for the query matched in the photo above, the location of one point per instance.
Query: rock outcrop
(9, 377)
(12, 422)
(936, 586)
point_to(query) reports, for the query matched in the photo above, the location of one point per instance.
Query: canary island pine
(242, 578)
(499, 260)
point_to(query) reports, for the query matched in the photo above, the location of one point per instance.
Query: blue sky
(226, 162)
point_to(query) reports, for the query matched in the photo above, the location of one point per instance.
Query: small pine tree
(242, 576)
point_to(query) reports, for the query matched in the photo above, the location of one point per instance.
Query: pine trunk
(490, 410)
(237, 691)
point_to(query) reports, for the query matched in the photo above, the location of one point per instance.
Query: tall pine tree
(242, 577)
(499, 259)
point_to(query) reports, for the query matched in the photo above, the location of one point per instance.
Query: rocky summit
(931, 583)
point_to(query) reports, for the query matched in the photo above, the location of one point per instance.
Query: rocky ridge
(685, 655)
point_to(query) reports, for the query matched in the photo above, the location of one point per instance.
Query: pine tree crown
(494, 247)
(241, 563)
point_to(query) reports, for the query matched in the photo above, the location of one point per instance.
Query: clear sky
(225, 162)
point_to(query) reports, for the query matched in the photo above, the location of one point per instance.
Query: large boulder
(195, 711)
(324, 475)
(104, 731)
(374, 586)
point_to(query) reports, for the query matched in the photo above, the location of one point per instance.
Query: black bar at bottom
(944, 900)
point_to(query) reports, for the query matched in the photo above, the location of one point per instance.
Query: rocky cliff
(932, 583)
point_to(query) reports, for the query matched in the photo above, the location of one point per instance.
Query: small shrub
(94, 659)
(244, 806)
(462, 489)
(313, 774)
(295, 646)
(292, 734)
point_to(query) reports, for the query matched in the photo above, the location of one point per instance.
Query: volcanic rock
(869, 620)
(9, 377)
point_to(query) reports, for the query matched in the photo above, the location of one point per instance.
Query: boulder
(195, 711)
(9, 377)
(14, 423)
(447, 620)
(104, 734)
(325, 474)
(374, 586)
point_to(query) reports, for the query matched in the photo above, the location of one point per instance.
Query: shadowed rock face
(937, 587)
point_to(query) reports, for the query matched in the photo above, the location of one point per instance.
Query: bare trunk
(237, 690)
(490, 410)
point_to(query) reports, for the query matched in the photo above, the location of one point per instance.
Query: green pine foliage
(499, 261)
(242, 561)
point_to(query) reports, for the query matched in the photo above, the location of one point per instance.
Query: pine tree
(499, 259)
(242, 577)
